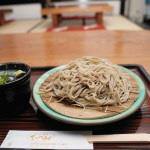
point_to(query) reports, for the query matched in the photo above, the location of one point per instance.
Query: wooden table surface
(43, 49)
(78, 9)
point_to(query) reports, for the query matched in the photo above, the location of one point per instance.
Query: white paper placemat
(46, 140)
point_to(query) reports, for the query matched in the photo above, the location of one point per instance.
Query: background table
(56, 12)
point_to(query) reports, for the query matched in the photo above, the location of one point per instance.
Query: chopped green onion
(4, 78)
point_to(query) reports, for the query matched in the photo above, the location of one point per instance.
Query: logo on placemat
(44, 137)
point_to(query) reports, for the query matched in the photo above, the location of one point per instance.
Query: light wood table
(56, 12)
(44, 49)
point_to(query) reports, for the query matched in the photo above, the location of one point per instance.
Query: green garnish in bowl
(9, 76)
(4, 78)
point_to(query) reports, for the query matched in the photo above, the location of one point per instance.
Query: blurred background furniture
(27, 15)
(2, 15)
(57, 12)
(24, 17)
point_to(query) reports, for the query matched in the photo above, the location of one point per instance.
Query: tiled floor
(41, 25)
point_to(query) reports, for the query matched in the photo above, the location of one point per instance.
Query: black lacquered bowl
(14, 96)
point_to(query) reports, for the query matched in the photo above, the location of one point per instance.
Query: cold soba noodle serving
(90, 83)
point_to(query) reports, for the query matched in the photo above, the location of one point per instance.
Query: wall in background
(23, 11)
(135, 10)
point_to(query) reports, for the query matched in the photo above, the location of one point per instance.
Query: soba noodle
(88, 82)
